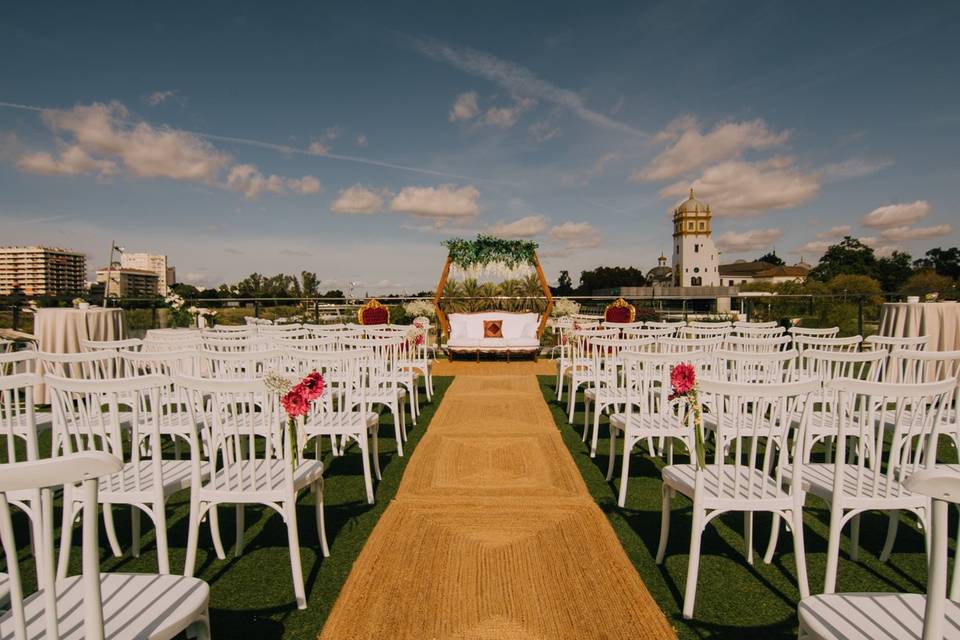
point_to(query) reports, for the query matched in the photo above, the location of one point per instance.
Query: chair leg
(799, 550)
(135, 531)
(321, 525)
(855, 538)
(624, 472)
(398, 423)
(955, 579)
(376, 451)
(596, 429)
(748, 534)
(586, 418)
(891, 536)
(296, 569)
(66, 534)
(664, 522)
(571, 400)
(367, 480)
(214, 516)
(613, 452)
(160, 526)
(693, 568)
(833, 551)
(238, 547)
(111, 530)
(193, 533)
(774, 538)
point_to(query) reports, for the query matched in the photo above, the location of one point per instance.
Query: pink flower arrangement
(296, 402)
(683, 381)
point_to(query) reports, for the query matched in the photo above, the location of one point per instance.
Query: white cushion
(493, 343)
(523, 342)
(462, 342)
(513, 325)
(530, 329)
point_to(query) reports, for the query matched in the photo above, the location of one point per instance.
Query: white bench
(519, 333)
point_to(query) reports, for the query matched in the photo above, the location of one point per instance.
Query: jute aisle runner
(492, 534)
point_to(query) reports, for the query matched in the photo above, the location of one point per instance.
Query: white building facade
(150, 262)
(696, 262)
(39, 271)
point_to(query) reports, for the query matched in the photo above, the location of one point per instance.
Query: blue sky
(349, 139)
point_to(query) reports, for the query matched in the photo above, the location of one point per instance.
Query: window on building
(695, 281)
(730, 283)
(690, 226)
(696, 248)
(703, 226)
(696, 269)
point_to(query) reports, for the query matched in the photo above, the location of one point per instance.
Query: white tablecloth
(62, 330)
(940, 321)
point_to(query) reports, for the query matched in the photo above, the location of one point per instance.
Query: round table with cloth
(940, 321)
(62, 330)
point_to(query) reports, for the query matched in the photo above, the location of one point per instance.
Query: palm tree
(449, 301)
(513, 290)
(473, 292)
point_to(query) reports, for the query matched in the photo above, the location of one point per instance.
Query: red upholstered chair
(373, 313)
(619, 311)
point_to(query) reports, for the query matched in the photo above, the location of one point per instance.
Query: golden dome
(691, 205)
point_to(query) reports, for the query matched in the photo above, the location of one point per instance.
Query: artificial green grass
(734, 599)
(252, 596)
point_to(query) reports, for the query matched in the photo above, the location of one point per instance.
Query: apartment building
(129, 283)
(41, 271)
(166, 275)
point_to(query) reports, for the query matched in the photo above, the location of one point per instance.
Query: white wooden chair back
(769, 344)
(247, 431)
(776, 367)
(649, 332)
(242, 364)
(843, 345)
(273, 329)
(17, 420)
(579, 342)
(752, 423)
(746, 324)
(38, 478)
(694, 333)
(674, 325)
(889, 343)
(682, 345)
(14, 362)
(150, 345)
(236, 344)
(647, 379)
(228, 329)
(90, 365)
(815, 332)
(758, 332)
(163, 363)
(915, 412)
(129, 344)
(343, 374)
(830, 365)
(697, 324)
(607, 366)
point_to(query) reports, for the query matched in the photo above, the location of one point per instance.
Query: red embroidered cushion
(618, 314)
(376, 315)
(493, 328)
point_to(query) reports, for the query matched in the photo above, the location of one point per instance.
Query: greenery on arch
(484, 250)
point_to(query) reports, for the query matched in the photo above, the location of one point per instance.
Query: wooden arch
(442, 318)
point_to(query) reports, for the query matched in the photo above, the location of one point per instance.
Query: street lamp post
(106, 285)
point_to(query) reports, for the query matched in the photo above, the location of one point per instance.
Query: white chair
(382, 386)
(239, 364)
(649, 414)
(15, 362)
(246, 329)
(844, 345)
(710, 325)
(686, 345)
(675, 326)
(746, 324)
(129, 344)
(871, 480)
(905, 616)
(775, 367)
(814, 332)
(889, 343)
(90, 365)
(341, 411)
(607, 388)
(757, 345)
(94, 605)
(234, 344)
(6, 346)
(252, 451)
(745, 473)
(649, 332)
(578, 367)
(744, 331)
(701, 332)
(87, 417)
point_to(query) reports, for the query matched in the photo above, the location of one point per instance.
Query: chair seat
(607, 394)
(655, 424)
(341, 422)
(255, 479)
(818, 480)
(872, 616)
(682, 477)
(134, 606)
(122, 487)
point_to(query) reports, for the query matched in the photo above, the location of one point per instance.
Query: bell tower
(695, 259)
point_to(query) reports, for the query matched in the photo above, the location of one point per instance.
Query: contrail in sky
(283, 148)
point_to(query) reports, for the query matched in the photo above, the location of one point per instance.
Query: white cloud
(444, 201)
(159, 97)
(744, 189)
(464, 107)
(544, 130)
(71, 161)
(835, 232)
(899, 234)
(814, 248)
(897, 215)
(517, 80)
(359, 199)
(506, 117)
(319, 148)
(732, 242)
(689, 149)
(854, 168)
(523, 228)
(576, 235)
(248, 180)
(361, 140)
(598, 168)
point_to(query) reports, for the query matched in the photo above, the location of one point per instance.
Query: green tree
(926, 281)
(309, 284)
(564, 284)
(848, 257)
(893, 271)
(186, 291)
(610, 278)
(945, 262)
(772, 258)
